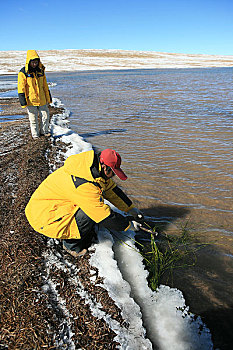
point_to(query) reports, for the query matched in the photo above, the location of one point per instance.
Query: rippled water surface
(173, 128)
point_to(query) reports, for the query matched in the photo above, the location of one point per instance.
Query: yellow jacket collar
(80, 165)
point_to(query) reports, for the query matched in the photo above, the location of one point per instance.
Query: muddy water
(173, 128)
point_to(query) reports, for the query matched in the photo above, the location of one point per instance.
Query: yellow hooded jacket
(32, 85)
(53, 205)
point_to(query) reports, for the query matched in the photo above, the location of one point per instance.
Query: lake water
(173, 129)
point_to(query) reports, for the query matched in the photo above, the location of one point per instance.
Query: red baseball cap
(112, 159)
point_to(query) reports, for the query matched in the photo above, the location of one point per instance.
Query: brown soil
(29, 317)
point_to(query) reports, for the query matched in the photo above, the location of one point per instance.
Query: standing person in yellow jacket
(34, 94)
(70, 201)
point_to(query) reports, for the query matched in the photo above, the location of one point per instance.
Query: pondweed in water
(165, 252)
(169, 253)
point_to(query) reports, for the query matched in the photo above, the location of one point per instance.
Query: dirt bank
(29, 318)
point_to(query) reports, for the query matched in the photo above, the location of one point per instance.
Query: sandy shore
(24, 166)
(74, 60)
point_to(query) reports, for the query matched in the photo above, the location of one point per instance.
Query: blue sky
(181, 26)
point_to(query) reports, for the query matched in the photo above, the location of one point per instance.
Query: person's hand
(134, 226)
(137, 215)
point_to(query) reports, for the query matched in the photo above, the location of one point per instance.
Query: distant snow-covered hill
(75, 60)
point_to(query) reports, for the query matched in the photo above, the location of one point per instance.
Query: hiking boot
(75, 254)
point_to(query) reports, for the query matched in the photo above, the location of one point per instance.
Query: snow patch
(165, 316)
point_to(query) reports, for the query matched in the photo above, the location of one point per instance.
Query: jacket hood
(31, 55)
(79, 165)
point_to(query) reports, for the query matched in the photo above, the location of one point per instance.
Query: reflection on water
(173, 128)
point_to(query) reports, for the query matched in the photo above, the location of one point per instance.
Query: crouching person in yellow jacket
(34, 94)
(70, 201)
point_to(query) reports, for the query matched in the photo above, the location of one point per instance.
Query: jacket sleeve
(117, 197)
(91, 201)
(22, 89)
(47, 91)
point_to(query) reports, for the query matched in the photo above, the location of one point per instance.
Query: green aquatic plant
(165, 252)
(155, 264)
(169, 253)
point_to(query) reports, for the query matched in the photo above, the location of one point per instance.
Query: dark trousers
(86, 228)
(86, 225)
